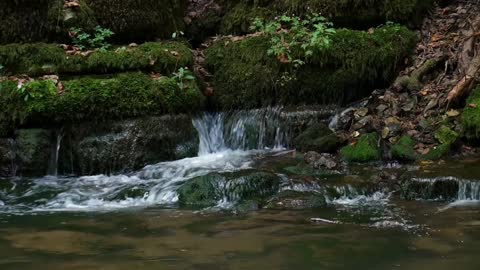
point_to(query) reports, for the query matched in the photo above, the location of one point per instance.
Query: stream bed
(426, 217)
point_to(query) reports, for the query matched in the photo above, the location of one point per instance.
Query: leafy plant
(182, 76)
(97, 40)
(294, 39)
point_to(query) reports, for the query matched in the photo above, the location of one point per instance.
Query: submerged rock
(296, 200)
(234, 188)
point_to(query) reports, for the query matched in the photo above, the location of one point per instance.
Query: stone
(325, 161)
(319, 138)
(360, 113)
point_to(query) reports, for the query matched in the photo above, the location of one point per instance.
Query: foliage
(437, 152)
(364, 150)
(288, 34)
(183, 75)
(97, 40)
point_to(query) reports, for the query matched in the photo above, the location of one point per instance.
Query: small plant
(182, 76)
(177, 34)
(98, 40)
(294, 39)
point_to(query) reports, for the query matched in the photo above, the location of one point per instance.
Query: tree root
(414, 81)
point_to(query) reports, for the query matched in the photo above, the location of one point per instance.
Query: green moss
(364, 150)
(471, 116)
(437, 152)
(356, 62)
(41, 58)
(403, 149)
(122, 96)
(446, 135)
(344, 13)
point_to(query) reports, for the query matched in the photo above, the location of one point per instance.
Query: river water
(134, 221)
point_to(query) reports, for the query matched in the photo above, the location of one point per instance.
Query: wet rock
(445, 188)
(360, 113)
(122, 146)
(317, 137)
(364, 122)
(34, 148)
(7, 158)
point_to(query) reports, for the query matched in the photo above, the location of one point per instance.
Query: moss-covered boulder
(49, 20)
(42, 58)
(88, 98)
(404, 149)
(446, 135)
(209, 190)
(365, 149)
(346, 13)
(471, 116)
(318, 137)
(356, 62)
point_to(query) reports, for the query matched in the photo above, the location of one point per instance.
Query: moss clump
(140, 19)
(42, 58)
(471, 116)
(364, 150)
(122, 96)
(403, 149)
(446, 135)
(345, 13)
(355, 63)
(437, 152)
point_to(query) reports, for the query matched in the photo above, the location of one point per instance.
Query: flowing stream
(314, 220)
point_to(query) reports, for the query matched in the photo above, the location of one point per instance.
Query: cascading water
(227, 143)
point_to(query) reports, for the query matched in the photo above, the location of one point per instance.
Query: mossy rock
(48, 20)
(356, 62)
(41, 20)
(139, 20)
(364, 150)
(42, 58)
(319, 138)
(346, 13)
(207, 191)
(471, 116)
(122, 96)
(404, 149)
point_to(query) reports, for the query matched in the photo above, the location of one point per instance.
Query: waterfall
(468, 190)
(53, 166)
(241, 130)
